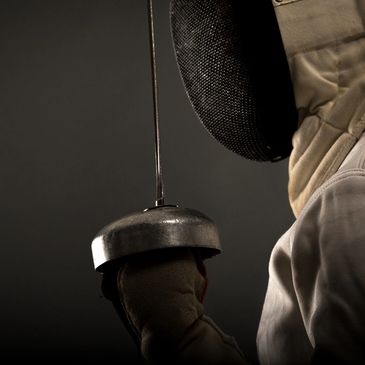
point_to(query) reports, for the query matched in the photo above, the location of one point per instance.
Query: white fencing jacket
(314, 310)
(315, 302)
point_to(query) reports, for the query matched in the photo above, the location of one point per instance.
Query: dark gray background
(76, 152)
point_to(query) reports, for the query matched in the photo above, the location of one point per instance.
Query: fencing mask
(234, 68)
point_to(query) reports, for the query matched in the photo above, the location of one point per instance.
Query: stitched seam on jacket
(349, 39)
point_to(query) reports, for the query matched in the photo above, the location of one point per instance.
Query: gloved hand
(161, 293)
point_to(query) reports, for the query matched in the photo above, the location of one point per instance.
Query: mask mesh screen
(221, 73)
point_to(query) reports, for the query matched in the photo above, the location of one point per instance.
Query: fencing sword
(159, 227)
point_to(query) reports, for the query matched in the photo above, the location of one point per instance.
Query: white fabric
(314, 310)
(316, 294)
(325, 45)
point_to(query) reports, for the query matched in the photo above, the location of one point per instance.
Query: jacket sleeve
(328, 259)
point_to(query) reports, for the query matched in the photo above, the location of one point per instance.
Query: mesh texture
(221, 66)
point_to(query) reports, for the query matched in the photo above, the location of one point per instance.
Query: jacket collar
(325, 45)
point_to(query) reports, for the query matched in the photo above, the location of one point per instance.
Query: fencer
(313, 312)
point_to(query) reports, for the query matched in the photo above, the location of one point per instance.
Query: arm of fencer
(161, 295)
(329, 272)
